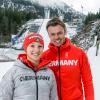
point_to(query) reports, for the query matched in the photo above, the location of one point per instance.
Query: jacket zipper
(36, 85)
(36, 80)
(59, 72)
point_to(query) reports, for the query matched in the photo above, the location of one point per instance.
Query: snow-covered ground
(9, 53)
(4, 66)
(95, 67)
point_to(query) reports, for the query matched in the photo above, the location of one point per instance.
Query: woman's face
(34, 51)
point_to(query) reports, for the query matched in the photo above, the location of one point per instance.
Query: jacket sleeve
(87, 78)
(53, 91)
(6, 87)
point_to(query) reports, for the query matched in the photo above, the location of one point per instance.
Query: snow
(4, 67)
(9, 53)
(44, 33)
(95, 67)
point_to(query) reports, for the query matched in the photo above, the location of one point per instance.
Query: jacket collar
(43, 63)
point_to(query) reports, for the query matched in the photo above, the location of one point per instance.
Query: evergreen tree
(11, 20)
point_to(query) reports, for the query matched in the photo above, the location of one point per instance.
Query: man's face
(57, 35)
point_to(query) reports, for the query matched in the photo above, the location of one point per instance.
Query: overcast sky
(88, 5)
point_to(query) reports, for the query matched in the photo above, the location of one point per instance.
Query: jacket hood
(54, 48)
(24, 63)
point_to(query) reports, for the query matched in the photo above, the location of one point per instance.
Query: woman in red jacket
(69, 63)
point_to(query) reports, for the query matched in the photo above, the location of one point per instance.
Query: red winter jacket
(71, 68)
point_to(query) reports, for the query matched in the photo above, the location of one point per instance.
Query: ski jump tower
(47, 12)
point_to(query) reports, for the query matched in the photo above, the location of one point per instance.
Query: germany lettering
(26, 78)
(64, 62)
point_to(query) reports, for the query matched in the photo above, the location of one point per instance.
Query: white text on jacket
(64, 62)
